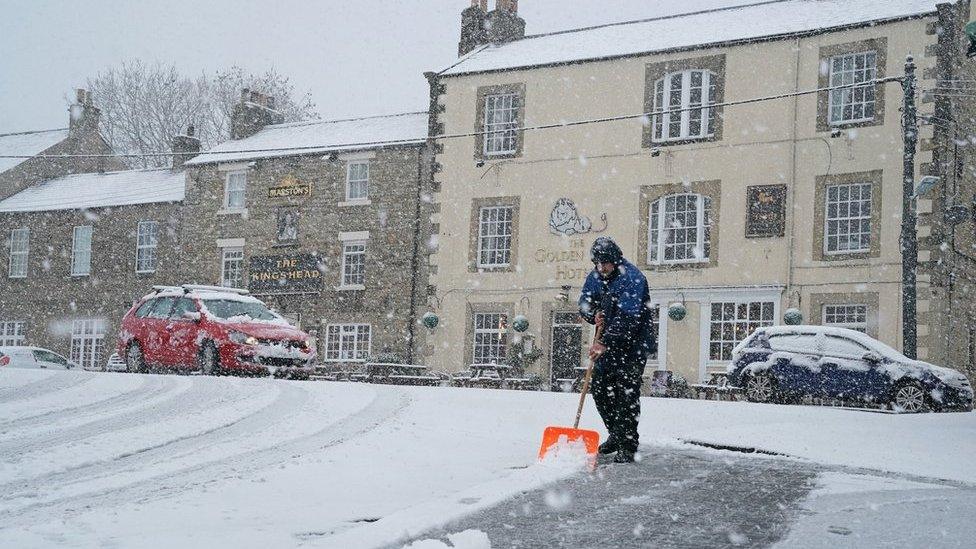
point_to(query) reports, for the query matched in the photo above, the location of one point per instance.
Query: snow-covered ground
(125, 460)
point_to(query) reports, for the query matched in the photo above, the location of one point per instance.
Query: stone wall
(49, 299)
(395, 273)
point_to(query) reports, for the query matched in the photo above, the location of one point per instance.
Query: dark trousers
(616, 388)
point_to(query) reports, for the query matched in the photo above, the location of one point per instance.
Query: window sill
(145, 273)
(232, 211)
(11, 277)
(350, 287)
(356, 202)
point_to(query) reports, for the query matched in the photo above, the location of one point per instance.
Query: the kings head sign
(284, 274)
(290, 186)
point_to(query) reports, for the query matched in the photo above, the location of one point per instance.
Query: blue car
(784, 363)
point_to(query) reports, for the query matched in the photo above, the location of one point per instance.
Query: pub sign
(284, 274)
(290, 187)
(766, 207)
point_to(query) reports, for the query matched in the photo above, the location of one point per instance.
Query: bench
(492, 376)
(717, 388)
(400, 374)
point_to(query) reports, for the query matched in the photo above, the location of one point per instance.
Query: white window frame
(88, 343)
(351, 166)
(147, 243)
(13, 333)
(749, 324)
(495, 236)
(338, 335)
(500, 133)
(494, 338)
(853, 316)
(351, 280)
(852, 97)
(231, 254)
(81, 257)
(688, 109)
(235, 177)
(660, 234)
(19, 252)
(847, 219)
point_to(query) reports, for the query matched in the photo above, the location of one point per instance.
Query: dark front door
(566, 351)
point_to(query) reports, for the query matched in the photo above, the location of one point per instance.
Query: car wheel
(135, 360)
(909, 397)
(209, 360)
(760, 388)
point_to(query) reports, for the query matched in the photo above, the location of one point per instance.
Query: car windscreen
(225, 309)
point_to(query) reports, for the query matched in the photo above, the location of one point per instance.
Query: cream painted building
(738, 212)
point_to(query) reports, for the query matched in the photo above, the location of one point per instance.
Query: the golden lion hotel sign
(290, 187)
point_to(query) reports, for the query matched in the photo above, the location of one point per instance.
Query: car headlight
(239, 337)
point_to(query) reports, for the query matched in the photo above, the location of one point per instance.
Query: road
(689, 498)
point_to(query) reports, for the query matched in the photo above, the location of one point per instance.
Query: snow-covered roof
(319, 136)
(97, 190)
(759, 20)
(27, 144)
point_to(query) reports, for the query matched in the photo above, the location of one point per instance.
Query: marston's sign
(284, 274)
(290, 186)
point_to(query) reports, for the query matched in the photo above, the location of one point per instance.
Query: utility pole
(909, 235)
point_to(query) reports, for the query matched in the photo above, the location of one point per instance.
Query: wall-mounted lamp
(563, 294)
(655, 152)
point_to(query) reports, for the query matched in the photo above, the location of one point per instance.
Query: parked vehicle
(34, 357)
(787, 362)
(215, 330)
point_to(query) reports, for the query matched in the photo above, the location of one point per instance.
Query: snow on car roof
(760, 20)
(27, 144)
(319, 136)
(857, 336)
(99, 190)
(205, 295)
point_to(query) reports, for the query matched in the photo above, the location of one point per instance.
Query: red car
(215, 330)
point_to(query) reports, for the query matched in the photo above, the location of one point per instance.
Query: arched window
(686, 90)
(679, 229)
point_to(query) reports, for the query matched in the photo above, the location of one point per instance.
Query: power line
(372, 144)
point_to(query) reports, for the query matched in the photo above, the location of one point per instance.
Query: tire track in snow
(162, 450)
(173, 482)
(163, 397)
(49, 384)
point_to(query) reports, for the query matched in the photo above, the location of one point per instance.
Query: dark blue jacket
(624, 300)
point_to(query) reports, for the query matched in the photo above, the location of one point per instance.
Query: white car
(33, 357)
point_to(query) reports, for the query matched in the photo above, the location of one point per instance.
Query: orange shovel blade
(554, 435)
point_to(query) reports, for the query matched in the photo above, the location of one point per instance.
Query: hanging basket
(677, 312)
(520, 323)
(430, 320)
(793, 316)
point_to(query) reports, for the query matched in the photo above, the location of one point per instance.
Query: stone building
(79, 249)
(736, 212)
(23, 167)
(320, 219)
(947, 213)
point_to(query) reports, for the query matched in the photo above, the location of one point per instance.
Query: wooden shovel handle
(586, 380)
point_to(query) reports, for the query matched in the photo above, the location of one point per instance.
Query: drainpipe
(792, 191)
(415, 259)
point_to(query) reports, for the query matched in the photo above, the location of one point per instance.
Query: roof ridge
(658, 18)
(32, 132)
(353, 119)
(113, 172)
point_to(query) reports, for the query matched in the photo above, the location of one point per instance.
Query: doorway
(566, 350)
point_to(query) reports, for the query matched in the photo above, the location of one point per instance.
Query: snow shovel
(553, 435)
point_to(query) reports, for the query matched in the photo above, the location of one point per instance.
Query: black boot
(624, 456)
(608, 447)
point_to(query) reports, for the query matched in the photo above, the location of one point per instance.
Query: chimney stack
(83, 115)
(254, 111)
(480, 26)
(185, 147)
